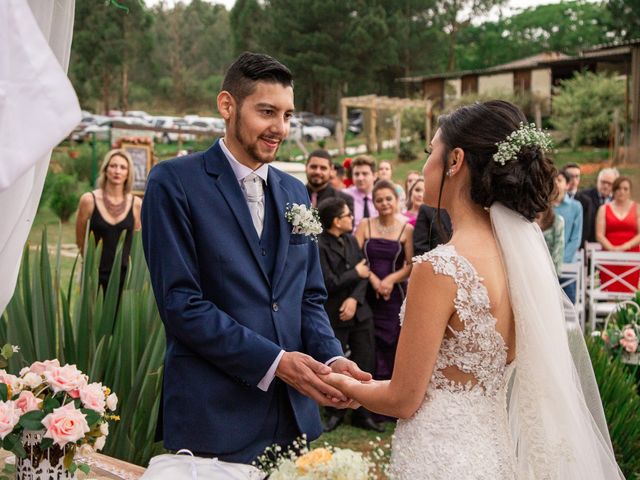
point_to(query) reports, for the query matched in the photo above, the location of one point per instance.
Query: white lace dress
(461, 430)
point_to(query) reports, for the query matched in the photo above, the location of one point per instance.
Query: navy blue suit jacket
(225, 320)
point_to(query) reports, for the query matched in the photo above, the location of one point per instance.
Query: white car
(308, 133)
(140, 114)
(172, 122)
(294, 169)
(102, 129)
(206, 123)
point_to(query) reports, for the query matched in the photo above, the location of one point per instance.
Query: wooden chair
(601, 301)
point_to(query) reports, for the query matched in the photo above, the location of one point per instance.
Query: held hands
(303, 373)
(362, 269)
(385, 288)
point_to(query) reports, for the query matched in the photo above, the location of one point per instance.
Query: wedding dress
(537, 418)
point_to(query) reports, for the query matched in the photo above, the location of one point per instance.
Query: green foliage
(64, 195)
(120, 344)
(561, 27)
(621, 403)
(624, 18)
(584, 106)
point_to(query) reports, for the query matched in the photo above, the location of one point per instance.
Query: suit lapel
(216, 164)
(280, 197)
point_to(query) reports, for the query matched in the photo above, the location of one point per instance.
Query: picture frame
(142, 158)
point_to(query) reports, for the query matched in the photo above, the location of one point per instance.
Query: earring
(449, 172)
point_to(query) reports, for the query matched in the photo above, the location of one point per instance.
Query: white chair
(573, 273)
(601, 301)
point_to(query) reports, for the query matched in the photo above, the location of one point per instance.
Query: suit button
(263, 252)
(275, 307)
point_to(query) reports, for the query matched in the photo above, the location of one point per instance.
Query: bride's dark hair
(523, 184)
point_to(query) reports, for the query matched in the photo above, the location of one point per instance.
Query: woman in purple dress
(387, 242)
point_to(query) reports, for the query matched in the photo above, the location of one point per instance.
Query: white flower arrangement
(525, 135)
(304, 220)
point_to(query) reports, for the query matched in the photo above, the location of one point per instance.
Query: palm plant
(117, 339)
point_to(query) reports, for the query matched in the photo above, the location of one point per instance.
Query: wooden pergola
(375, 103)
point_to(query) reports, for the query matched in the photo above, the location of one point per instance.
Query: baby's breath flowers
(525, 135)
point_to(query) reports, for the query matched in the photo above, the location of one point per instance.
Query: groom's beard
(251, 147)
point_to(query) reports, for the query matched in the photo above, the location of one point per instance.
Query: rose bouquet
(621, 332)
(49, 412)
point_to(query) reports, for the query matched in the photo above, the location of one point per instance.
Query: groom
(240, 296)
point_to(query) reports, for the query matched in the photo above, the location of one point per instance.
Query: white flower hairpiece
(525, 135)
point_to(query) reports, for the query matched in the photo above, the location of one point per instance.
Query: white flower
(525, 135)
(31, 380)
(15, 348)
(100, 441)
(112, 402)
(104, 428)
(304, 220)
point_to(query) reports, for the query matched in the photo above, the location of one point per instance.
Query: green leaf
(50, 404)
(46, 443)
(72, 466)
(9, 468)
(32, 420)
(92, 416)
(4, 392)
(18, 450)
(4, 477)
(9, 441)
(84, 468)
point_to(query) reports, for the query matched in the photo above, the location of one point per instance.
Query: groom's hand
(301, 372)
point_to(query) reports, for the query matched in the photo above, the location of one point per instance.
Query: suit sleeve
(318, 338)
(196, 323)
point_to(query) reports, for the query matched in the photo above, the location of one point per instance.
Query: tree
(564, 27)
(244, 28)
(624, 18)
(583, 108)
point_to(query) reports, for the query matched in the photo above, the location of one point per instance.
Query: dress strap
(369, 227)
(402, 230)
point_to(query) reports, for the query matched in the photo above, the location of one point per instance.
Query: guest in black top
(345, 275)
(110, 210)
(427, 233)
(318, 169)
(599, 195)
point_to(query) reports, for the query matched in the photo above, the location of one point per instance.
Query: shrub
(64, 195)
(621, 406)
(583, 107)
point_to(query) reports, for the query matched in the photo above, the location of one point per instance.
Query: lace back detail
(477, 350)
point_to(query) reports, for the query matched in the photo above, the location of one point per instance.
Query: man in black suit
(599, 195)
(345, 276)
(318, 170)
(427, 234)
(572, 171)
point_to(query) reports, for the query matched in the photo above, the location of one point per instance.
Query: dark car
(311, 119)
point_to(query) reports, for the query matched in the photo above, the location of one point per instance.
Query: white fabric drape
(555, 412)
(38, 109)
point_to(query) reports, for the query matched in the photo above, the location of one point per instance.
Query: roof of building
(523, 63)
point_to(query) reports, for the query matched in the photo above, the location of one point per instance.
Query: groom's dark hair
(249, 68)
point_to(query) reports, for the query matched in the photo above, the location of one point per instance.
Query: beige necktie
(254, 192)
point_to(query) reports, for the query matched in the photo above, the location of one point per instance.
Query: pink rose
(629, 333)
(27, 402)
(92, 396)
(11, 380)
(65, 425)
(66, 379)
(630, 346)
(40, 367)
(9, 417)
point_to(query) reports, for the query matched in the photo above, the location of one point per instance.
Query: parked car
(102, 129)
(140, 114)
(299, 131)
(88, 119)
(206, 123)
(172, 122)
(355, 120)
(311, 119)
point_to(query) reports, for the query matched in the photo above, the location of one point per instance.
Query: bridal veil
(555, 413)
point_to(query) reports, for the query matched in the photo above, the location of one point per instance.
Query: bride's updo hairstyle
(524, 183)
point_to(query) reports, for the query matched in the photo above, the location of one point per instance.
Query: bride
(491, 378)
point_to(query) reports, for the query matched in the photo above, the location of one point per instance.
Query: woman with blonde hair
(110, 209)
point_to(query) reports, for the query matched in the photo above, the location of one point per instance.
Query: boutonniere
(304, 220)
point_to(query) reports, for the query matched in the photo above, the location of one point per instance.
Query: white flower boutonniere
(304, 220)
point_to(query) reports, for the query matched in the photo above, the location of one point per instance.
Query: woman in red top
(617, 231)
